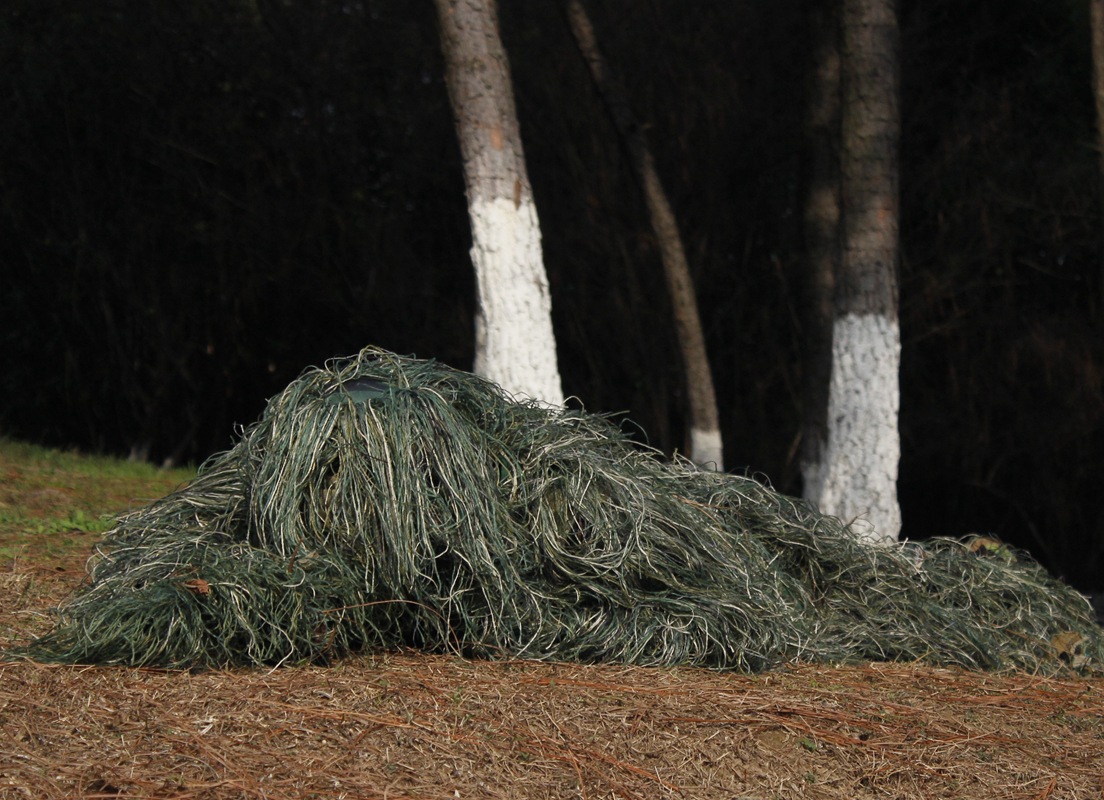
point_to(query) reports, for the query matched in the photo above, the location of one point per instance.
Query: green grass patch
(54, 503)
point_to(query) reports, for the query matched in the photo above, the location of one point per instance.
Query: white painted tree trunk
(857, 478)
(514, 341)
(706, 445)
(821, 232)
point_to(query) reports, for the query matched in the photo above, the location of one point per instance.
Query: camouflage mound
(385, 501)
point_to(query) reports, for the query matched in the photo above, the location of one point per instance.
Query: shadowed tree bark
(706, 447)
(820, 229)
(857, 479)
(515, 344)
(1096, 16)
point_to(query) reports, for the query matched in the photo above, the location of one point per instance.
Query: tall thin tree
(820, 229)
(1096, 18)
(515, 343)
(858, 476)
(706, 448)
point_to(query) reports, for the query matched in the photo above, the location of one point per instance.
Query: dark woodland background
(199, 199)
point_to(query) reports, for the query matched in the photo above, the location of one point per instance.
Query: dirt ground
(411, 725)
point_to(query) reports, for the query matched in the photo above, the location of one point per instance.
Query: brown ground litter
(409, 725)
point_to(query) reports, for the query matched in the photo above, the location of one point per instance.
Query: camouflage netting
(384, 501)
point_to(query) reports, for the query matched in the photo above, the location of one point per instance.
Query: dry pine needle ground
(408, 725)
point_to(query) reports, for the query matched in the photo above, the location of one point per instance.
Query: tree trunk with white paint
(820, 230)
(706, 447)
(515, 344)
(858, 478)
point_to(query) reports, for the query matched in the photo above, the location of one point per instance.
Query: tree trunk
(1096, 15)
(706, 448)
(515, 344)
(821, 231)
(859, 478)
